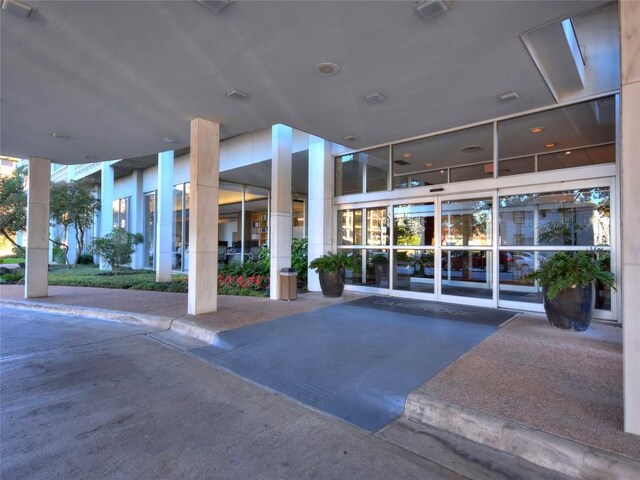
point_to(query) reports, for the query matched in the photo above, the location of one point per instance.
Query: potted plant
(330, 268)
(568, 286)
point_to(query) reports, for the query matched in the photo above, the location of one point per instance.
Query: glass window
(121, 213)
(350, 227)
(377, 271)
(299, 230)
(368, 169)
(176, 245)
(425, 161)
(414, 270)
(414, 224)
(377, 226)
(575, 217)
(149, 229)
(352, 277)
(467, 273)
(572, 136)
(466, 222)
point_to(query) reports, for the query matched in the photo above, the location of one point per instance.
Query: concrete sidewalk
(552, 397)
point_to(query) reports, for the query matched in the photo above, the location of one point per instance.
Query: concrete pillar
(107, 180)
(164, 216)
(37, 260)
(137, 217)
(630, 200)
(320, 211)
(203, 212)
(281, 222)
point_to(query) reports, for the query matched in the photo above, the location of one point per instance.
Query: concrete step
(425, 413)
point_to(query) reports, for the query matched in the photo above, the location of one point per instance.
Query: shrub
(85, 259)
(116, 247)
(299, 248)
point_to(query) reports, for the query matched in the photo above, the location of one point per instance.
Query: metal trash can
(288, 284)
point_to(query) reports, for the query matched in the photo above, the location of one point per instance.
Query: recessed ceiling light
(508, 96)
(375, 97)
(550, 144)
(350, 138)
(59, 135)
(568, 152)
(472, 149)
(428, 9)
(536, 129)
(428, 164)
(88, 157)
(407, 155)
(235, 93)
(169, 140)
(441, 171)
(17, 8)
(326, 69)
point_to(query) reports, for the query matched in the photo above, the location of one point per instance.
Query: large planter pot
(332, 284)
(572, 308)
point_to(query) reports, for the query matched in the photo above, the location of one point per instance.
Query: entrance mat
(346, 360)
(445, 311)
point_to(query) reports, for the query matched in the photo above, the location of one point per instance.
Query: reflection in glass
(149, 229)
(435, 177)
(517, 166)
(414, 224)
(466, 222)
(176, 245)
(121, 213)
(472, 172)
(350, 227)
(467, 273)
(352, 169)
(414, 270)
(352, 277)
(377, 268)
(580, 157)
(377, 226)
(575, 217)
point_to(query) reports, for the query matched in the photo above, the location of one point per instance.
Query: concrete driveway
(84, 398)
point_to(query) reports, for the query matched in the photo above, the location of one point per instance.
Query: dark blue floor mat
(352, 362)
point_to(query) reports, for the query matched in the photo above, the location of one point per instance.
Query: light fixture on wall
(17, 8)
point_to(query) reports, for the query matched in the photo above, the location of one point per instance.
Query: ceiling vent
(17, 8)
(375, 97)
(216, 6)
(400, 162)
(429, 9)
(508, 96)
(236, 94)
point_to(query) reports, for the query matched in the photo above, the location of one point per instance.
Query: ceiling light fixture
(568, 152)
(375, 97)
(428, 164)
(235, 93)
(350, 138)
(407, 155)
(536, 129)
(508, 96)
(472, 149)
(429, 9)
(169, 140)
(19, 9)
(550, 144)
(441, 171)
(326, 69)
(216, 6)
(59, 135)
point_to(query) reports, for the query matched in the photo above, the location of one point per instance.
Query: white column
(203, 212)
(164, 216)
(630, 200)
(281, 224)
(37, 260)
(137, 217)
(107, 180)
(320, 211)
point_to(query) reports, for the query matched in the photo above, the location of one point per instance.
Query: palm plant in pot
(331, 268)
(568, 285)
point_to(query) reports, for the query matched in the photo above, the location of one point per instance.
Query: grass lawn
(12, 260)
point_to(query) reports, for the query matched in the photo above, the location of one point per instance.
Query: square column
(107, 180)
(629, 284)
(36, 283)
(137, 217)
(203, 211)
(320, 216)
(281, 221)
(164, 217)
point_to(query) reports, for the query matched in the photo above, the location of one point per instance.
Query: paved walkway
(565, 383)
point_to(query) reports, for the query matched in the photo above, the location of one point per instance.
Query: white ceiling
(117, 77)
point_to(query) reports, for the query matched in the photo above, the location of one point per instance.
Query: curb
(156, 321)
(190, 329)
(547, 450)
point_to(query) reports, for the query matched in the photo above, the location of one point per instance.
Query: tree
(13, 206)
(116, 247)
(73, 205)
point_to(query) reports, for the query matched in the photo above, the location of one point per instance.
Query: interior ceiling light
(326, 69)
(59, 135)
(350, 138)
(428, 164)
(216, 6)
(568, 152)
(536, 129)
(17, 8)
(235, 93)
(407, 155)
(429, 9)
(375, 97)
(550, 144)
(472, 149)
(508, 96)
(169, 140)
